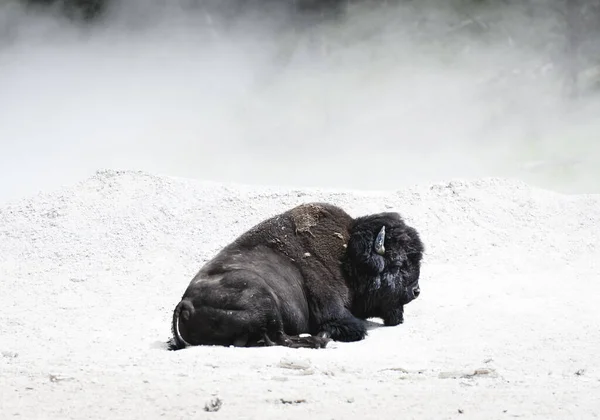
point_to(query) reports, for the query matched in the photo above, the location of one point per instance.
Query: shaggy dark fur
(383, 284)
(303, 271)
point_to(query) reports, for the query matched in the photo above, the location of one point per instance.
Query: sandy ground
(507, 324)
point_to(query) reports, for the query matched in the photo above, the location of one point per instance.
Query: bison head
(383, 265)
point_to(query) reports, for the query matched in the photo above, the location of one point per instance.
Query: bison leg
(346, 329)
(394, 317)
(274, 335)
(295, 342)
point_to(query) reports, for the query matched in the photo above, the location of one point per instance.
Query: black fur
(383, 284)
(311, 269)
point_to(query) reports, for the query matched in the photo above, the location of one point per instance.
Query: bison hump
(306, 216)
(321, 230)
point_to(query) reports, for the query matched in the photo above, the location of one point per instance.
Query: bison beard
(310, 270)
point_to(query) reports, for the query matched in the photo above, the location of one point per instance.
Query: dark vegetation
(76, 9)
(572, 41)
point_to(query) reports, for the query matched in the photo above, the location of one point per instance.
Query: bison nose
(416, 292)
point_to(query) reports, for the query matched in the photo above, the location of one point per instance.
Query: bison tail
(182, 313)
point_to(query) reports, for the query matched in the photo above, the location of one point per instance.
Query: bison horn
(379, 248)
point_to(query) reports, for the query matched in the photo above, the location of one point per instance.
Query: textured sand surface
(507, 324)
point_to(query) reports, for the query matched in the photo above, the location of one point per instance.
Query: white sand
(90, 275)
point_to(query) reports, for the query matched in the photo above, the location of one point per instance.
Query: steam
(429, 90)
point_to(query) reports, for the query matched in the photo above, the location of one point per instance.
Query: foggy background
(381, 97)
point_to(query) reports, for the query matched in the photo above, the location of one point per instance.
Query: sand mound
(506, 325)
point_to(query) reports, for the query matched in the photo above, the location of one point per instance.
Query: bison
(312, 269)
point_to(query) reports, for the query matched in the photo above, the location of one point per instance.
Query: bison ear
(379, 241)
(363, 251)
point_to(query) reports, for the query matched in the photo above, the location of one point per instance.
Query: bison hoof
(393, 321)
(309, 342)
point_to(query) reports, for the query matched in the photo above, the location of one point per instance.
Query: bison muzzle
(311, 270)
